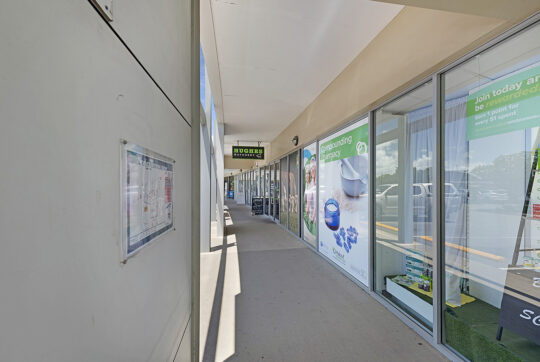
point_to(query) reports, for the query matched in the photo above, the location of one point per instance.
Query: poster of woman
(309, 210)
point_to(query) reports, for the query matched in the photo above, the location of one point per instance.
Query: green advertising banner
(349, 144)
(343, 202)
(505, 105)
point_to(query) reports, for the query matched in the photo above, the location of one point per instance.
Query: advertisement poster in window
(343, 199)
(505, 105)
(309, 207)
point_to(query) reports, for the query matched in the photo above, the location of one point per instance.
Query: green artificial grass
(471, 330)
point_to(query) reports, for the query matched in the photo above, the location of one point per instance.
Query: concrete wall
(158, 32)
(416, 43)
(70, 91)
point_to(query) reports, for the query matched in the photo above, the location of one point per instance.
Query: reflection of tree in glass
(498, 179)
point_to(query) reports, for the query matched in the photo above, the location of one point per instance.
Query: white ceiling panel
(276, 56)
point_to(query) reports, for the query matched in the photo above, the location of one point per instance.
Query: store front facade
(431, 201)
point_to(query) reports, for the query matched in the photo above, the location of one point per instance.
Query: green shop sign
(506, 105)
(248, 152)
(351, 143)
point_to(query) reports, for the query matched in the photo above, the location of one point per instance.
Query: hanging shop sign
(248, 152)
(309, 207)
(343, 199)
(505, 105)
(147, 196)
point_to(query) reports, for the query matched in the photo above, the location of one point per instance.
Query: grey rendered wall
(158, 32)
(69, 91)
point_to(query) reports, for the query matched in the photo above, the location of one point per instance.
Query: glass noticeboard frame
(147, 185)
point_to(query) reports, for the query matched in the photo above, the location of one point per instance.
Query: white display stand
(408, 298)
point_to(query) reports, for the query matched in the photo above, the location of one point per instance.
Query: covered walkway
(266, 296)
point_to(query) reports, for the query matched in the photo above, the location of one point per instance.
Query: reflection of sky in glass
(212, 123)
(484, 151)
(387, 158)
(201, 71)
(386, 126)
(476, 153)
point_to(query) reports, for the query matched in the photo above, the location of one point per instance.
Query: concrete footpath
(265, 296)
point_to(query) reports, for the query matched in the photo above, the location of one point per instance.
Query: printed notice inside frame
(147, 196)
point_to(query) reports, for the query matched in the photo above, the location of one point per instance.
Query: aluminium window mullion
(371, 206)
(317, 194)
(438, 206)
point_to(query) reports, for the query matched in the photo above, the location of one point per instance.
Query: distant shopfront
(431, 202)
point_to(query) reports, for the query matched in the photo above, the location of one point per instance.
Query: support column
(195, 180)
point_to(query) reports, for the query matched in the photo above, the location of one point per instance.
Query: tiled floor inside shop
(266, 296)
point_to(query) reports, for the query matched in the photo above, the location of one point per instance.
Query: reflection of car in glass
(382, 188)
(387, 201)
(452, 197)
(388, 195)
(493, 195)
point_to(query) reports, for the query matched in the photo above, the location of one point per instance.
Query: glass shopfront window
(492, 202)
(271, 190)
(239, 195)
(256, 183)
(490, 199)
(249, 188)
(284, 167)
(254, 180)
(404, 161)
(252, 185)
(261, 182)
(294, 221)
(277, 191)
(246, 187)
(267, 190)
(309, 188)
(230, 188)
